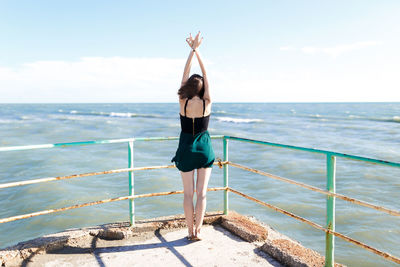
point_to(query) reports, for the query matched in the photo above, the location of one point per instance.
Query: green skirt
(194, 152)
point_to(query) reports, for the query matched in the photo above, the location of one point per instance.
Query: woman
(195, 151)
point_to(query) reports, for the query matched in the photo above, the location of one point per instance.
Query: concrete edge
(281, 247)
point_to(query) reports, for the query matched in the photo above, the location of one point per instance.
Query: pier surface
(227, 240)
(219, 247)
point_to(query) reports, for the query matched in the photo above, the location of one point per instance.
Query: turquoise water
(365, 129)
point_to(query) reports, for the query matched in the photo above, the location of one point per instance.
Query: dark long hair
(193, 87)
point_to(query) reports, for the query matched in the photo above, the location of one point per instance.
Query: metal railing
(330, 191)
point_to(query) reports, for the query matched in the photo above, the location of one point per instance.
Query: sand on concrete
(219, 247)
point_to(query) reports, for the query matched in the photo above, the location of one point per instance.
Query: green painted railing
(329, 192)
(330, 185)
(130, 142)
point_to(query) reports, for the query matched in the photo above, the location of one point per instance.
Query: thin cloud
(92, 78)
(287, 48)
(120, 79)
(333, 51)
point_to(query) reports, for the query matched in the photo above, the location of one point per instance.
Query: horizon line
(277, 102)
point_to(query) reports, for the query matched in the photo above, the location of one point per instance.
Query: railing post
(226, 202)
(330, 210)
(131, 184)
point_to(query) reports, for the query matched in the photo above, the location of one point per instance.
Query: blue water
(365, 129)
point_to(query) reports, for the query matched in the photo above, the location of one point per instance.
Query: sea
(364, 129)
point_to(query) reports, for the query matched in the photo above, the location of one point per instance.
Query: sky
(254, 51)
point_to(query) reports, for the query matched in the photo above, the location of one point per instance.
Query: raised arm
(188, 65)
(187, 68)
(205, 79)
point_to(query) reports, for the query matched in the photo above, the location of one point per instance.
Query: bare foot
(191, 237)
(197, 236)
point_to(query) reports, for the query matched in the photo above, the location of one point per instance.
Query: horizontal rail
(82, 143)
(44, 212)
(377, 161)
(313, 150)
(50, 179)
(315, 225)
(316, 189)
(170, 138)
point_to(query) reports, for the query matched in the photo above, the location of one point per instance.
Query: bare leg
(188, 192)
(203, 176)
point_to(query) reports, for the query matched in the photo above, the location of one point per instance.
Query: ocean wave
(20, 119)
(7, 121)
(354, 117)
(237, 120)
(224, 113)
(25, 117)
(219, 112)
(395, 119)
(316, 115)
(67, 117)
(111, 114)
(122, 114)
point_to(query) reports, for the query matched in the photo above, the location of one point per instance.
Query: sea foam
(237, 120)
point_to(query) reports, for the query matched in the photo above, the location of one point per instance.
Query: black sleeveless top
(194, 125)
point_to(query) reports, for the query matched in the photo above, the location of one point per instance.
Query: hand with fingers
(196, 42)
(190, 40)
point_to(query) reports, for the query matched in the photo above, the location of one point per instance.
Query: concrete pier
(227, 240)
